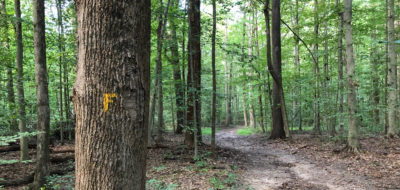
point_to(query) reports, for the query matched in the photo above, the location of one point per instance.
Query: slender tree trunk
(172, 110)
(179, 85)
(60, 62)
(259, 77)
(317, 122)
(375, 81)
(251, 57)
(244, 74)
(353, 136)
(194, 75)
(340, 66)
(296, 90)
(227, 81)
(111, 94)
(162, 20)
(24, 154)
(385, 112)
(392, 75)
(214, 83)
(42, 93)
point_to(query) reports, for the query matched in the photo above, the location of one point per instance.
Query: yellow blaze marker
(107, 99)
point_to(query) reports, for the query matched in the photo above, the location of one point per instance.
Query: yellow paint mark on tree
(107, 98)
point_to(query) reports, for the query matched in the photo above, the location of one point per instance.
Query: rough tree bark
(42, 93)
(351, 83)
(280, 128)
(193, 116)
(111, 94)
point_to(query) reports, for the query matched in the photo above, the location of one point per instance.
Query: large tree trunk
(111, 94)
(279, 119)
(353, 139)
(178, 83)
(392, 75)
(60, 62)
(42, 93)
(214, 80)
(24, 154)
(194, 74)
(317, 122)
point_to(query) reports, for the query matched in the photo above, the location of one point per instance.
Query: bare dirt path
(268, 166)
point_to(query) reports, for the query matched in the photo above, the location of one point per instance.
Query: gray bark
(111, 94)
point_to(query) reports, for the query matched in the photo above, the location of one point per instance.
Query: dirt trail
(270, 167)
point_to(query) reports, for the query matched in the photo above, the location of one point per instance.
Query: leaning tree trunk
(24, 154)
(351, 84)
(111, 94)
(392, 75)
(42, 93)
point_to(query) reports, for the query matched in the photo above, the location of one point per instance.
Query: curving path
(270, 167)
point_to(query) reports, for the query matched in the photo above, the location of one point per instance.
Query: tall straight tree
(340, 65)
(194, 74)
(214, 80)
(317, 122)
(42, 94)
(24, 155)
(61, 48)
(392, 75)
(351, 83)
(111, 94)
(279, 120)
(178, 82)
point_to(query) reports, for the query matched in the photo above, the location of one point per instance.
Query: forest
(199, 94)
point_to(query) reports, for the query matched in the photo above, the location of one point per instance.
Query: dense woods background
(331, 70)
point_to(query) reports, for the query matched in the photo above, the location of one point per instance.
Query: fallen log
(14, 147)
(29, 178)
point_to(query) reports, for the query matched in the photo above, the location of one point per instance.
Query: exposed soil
(308, 162)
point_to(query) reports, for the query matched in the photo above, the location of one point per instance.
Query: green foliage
(4, 140)
(155, 184)
(207, 131)
(228, 181)
(57, 182)
(248, 131)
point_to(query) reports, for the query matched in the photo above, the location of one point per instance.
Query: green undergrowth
(248, 131)
(207, 131)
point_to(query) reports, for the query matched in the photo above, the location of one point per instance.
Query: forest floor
(242, 162)
(315, 162)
